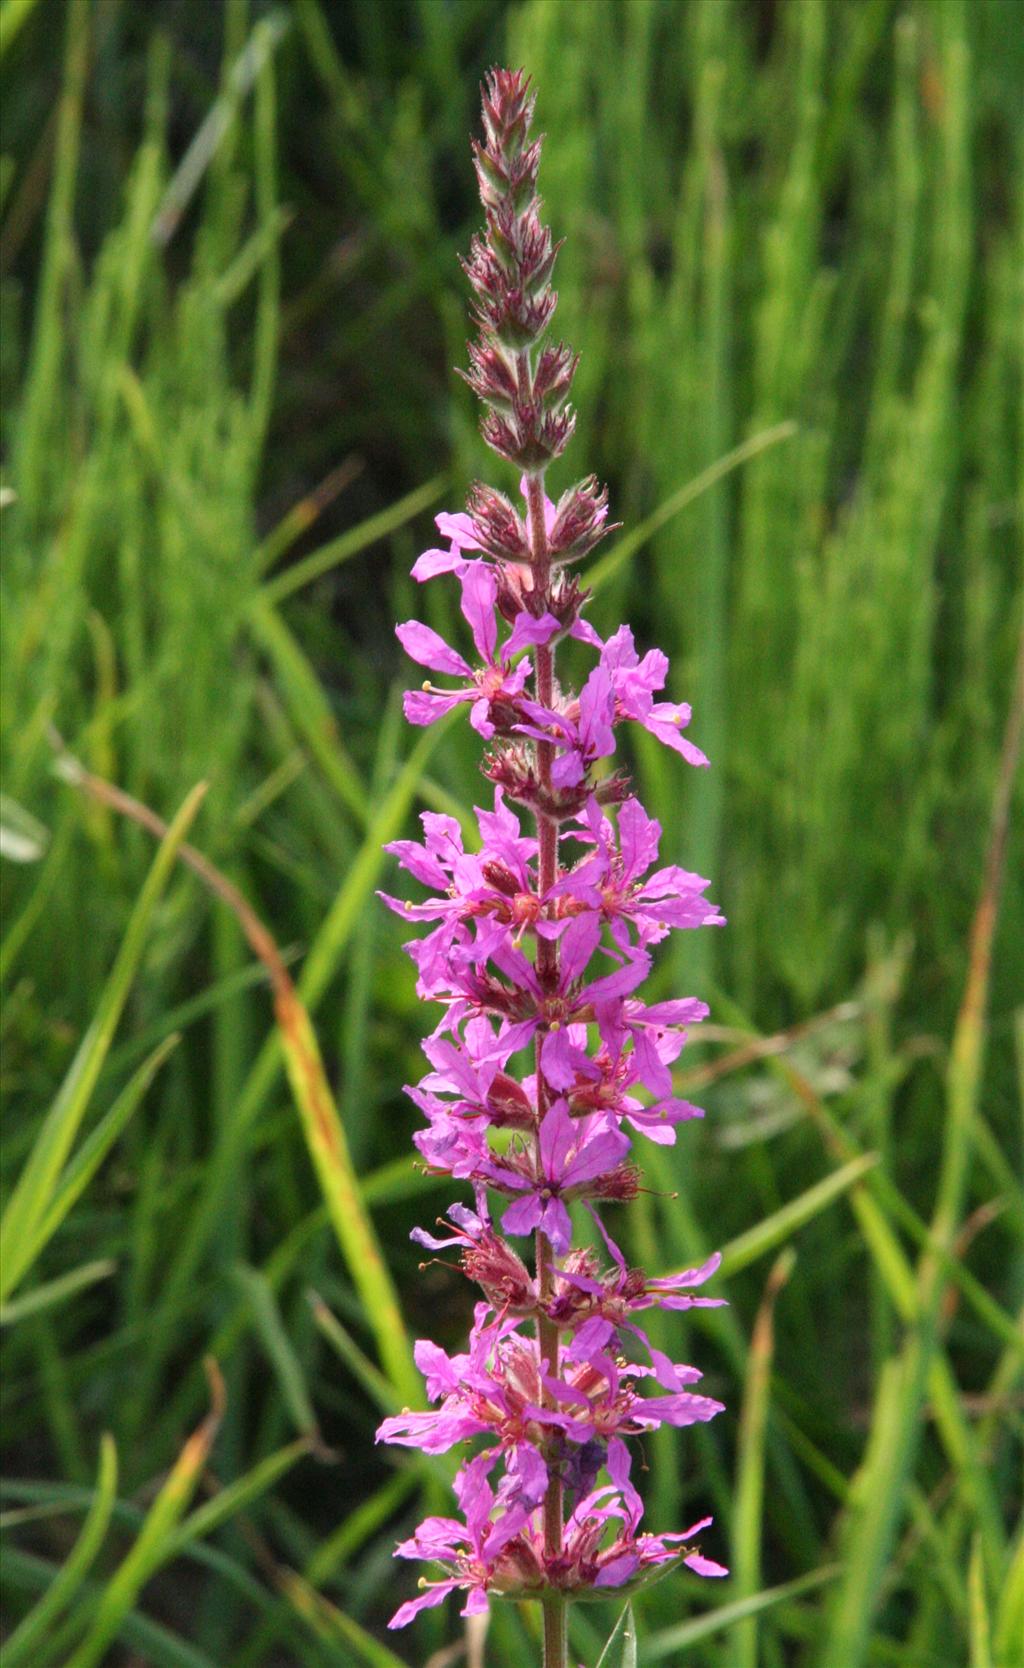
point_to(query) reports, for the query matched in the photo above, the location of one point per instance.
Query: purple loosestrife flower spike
(538, 942)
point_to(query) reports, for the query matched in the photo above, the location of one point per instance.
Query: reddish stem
(555, 1640)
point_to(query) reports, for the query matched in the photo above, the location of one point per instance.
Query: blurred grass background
(231, 312)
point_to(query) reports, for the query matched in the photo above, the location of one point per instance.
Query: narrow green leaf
(748, 1520)
(33, 1193)
(13, 15)
(680, 1637)
(267, 1320)
(345, 1346)
(352, 543)
(65, 1584)
(980, 1624)
(156, 1646)
(56, 1291)
(94, 1149)
(783, 1223)
(1009, 1628)
(237, 1495)
(23, 838)
(637, 537)
(154, 1543)
(621, 1643)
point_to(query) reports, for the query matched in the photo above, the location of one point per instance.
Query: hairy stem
(555, 1641)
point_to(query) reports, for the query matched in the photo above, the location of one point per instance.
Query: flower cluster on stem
(546, 1061)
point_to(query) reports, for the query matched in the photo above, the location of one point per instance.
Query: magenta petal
(556, 1224)
(557, 1138)
(458, 527)
(421, 707)
(433, 562)
(704, 1566)
(479, 595)
(617, 1570)
(557, 1060)
(428, 649)
(426, 1601)
(529, 633)
(523, 1216)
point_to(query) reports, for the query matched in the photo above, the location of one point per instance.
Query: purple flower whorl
(542, 940)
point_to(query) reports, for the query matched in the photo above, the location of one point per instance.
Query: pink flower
(496, 683)
(542, 941)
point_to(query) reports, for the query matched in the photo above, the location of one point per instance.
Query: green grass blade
(154, 1542)
(267, 1319)
(980, 1622)
(783, 1223)
(680, 1638)
(33, 1193)
(345, 1347)
(624, 1634)
(56, 1291)
(155, 1645)
(30, 1631)
(748, 1522)
(637, 537)
(94, 1149)
(1009, 1627)
(352, 543)
(308, 707)
(237, 1496)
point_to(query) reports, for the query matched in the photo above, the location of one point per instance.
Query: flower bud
(580, 520)
(498, 526)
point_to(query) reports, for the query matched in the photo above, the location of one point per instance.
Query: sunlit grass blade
(980, 1622)
(22, 1642)
(349, 544)
(627, 546)
(774, 1230)
(878, 1491)
(90, 1155)
(748, 1522)
(56, 1291)
(197, 159)
(331, 1624)
(669, 1640)
(1009, 1620)
(322, 1128)
(33, 1193)
(266, 1317)
(154, 1542)
(238, 1495)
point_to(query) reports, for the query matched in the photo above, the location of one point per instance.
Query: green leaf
(33, 1193)
(237, 1495)
(96, 1146)
(620, 1646)
(56, 1291)
(65, 1584)
(155, 1541)
(679, 1638)
(782, 1224)
(23, 839)
(267, 1320)
(980, 1623)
